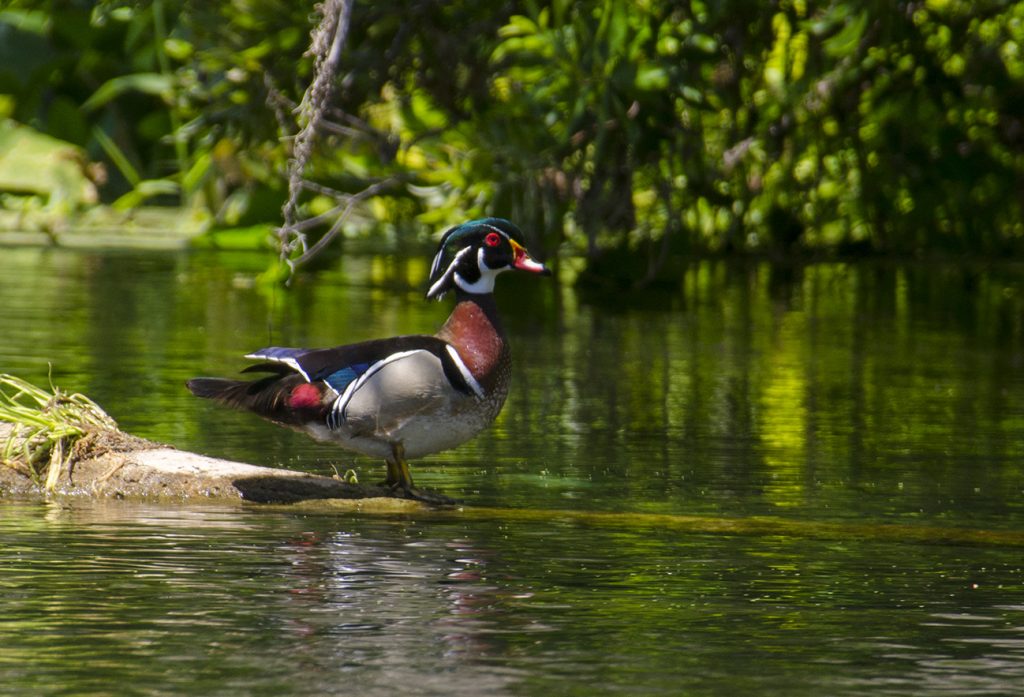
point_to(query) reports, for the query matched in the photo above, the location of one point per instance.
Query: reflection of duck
(369, 596)
(405, 396)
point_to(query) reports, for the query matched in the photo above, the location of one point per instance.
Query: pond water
(768, 480)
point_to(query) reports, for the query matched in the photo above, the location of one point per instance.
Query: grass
(45, 427)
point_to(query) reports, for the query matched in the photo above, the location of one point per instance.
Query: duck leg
(400, 480)
(394, 478)
(399, 476)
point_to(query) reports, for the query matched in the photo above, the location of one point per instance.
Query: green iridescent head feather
(454, 245)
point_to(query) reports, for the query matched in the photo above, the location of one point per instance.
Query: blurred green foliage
(628, 131)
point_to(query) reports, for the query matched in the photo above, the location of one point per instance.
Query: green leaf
(651, 78)
(518, 25)
(197, 173)
(178, 49)
(157, 187)
(32, 162)
(703, 42)
(145, 190)
(254, 237)
(147, 83)
(692, 95)
(117, 156)
(27, 21)
(846, 40)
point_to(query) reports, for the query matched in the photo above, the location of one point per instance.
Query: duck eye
(493, 239)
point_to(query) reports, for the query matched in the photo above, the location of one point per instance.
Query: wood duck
(406, 396)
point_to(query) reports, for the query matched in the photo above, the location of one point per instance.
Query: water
(861, 427)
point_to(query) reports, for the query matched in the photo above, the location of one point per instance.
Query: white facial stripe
(491, 227)
(436, 264)
(439, 283)
(464, 369)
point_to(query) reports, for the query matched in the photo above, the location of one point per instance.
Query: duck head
(472, 255)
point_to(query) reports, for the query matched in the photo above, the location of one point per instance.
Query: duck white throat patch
(484, 284)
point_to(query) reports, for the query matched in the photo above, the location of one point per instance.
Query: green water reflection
(825, 391)
(834, 395)
(119, 598)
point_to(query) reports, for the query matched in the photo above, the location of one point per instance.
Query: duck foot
(431, 498)
(399, 480)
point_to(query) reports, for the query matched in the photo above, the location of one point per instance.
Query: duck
(402, 397)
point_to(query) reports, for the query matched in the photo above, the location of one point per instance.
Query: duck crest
(476, 333)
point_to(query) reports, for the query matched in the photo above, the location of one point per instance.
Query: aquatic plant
(44, 428)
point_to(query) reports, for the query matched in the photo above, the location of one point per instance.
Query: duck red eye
(493, 239)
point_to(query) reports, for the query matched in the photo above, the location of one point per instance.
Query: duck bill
(524, 262)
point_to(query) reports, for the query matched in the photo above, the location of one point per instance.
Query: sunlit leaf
(848, 38)
(148, 83)
(33, 162)
(34, 22)
(145, 190)
(178, 49)
(652, 78)
(196, 174)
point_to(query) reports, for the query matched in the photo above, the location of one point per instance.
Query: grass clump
(45, 427)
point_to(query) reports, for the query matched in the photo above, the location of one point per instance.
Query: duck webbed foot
(431, 498)
(399, 481)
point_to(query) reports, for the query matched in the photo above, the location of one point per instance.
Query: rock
(110, 463)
